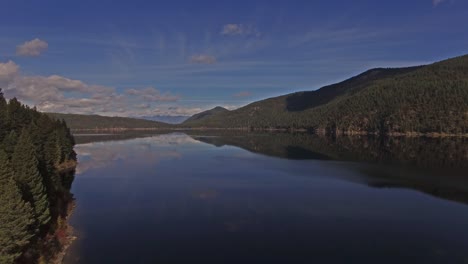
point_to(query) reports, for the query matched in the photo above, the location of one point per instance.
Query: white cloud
(203, 59)
(239, 29)
(143, 106)
(32, 48)
(66, 84)
(8, 72)
(151, 94)
(60, 94)
(111, 104)
(39, 89)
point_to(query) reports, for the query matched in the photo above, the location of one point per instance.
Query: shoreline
(66, 166)
(69, 235)
(321, 132)
(64, 233)
(51, 245)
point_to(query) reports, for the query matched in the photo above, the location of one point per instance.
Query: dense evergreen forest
(415, 100)
(35, 149)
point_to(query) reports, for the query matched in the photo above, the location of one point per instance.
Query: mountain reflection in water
(211, 197)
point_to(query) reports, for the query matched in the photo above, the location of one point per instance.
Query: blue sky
(144, 58)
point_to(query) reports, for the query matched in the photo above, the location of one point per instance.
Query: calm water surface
(176, 198)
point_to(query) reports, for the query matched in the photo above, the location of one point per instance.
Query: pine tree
(31, 182)
(9, 143)
(36, 137)
(17, 115)
(53, 150)
(3, 116)
(16, 215)
(66, 141)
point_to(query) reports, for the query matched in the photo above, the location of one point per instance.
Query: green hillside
(75, 121)
(425, 99)
(309, 99)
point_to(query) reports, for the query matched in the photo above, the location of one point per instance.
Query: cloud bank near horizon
(60, 94)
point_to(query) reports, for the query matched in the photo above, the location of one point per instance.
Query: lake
(211, 197)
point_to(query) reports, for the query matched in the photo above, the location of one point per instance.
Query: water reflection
(417, 151)
(99, 154)
(414, 151)
(202, 198)
(434, 166)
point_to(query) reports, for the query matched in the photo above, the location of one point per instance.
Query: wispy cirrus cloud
(239, 29)
(151, 94)
(203, 59)
(32, 48)
(243, 94)
(232, 29)
(437, 2)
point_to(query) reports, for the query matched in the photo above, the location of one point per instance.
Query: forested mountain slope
(425, 99)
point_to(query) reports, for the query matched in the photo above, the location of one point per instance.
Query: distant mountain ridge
(76, 121)
(414, 100)
(165, 118)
